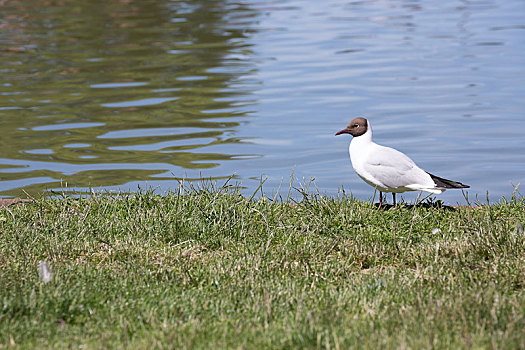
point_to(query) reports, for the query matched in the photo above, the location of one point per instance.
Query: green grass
(213, 269)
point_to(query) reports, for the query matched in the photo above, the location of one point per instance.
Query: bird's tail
(444, 183)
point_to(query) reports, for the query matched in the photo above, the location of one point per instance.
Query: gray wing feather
(394, 169)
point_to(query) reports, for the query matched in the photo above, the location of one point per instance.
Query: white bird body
(387, 169)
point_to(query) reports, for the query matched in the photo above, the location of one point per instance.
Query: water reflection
(103, 93)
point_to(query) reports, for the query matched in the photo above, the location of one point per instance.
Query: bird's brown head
(357, 127)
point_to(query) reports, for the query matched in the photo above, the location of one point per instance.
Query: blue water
(257, 90)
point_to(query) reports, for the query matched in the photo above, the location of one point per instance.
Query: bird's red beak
(344, 131)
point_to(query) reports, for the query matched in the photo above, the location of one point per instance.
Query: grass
(211, 268)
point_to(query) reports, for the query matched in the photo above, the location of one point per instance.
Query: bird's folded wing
(391, 158)
(393, 169)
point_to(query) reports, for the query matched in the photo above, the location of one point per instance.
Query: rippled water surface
(120, 94)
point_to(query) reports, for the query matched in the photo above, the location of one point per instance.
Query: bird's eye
(356, 125)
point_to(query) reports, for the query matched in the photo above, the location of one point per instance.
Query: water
(117, 95)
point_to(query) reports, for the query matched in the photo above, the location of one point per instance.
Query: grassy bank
(215, 269)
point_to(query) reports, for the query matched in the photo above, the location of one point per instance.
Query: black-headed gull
(387, 169)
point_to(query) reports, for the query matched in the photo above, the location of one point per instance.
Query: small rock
(45, 272)
(519, 229)
(435, 231)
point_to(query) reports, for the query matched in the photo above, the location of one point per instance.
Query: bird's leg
(394, 197)
(380, 199)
